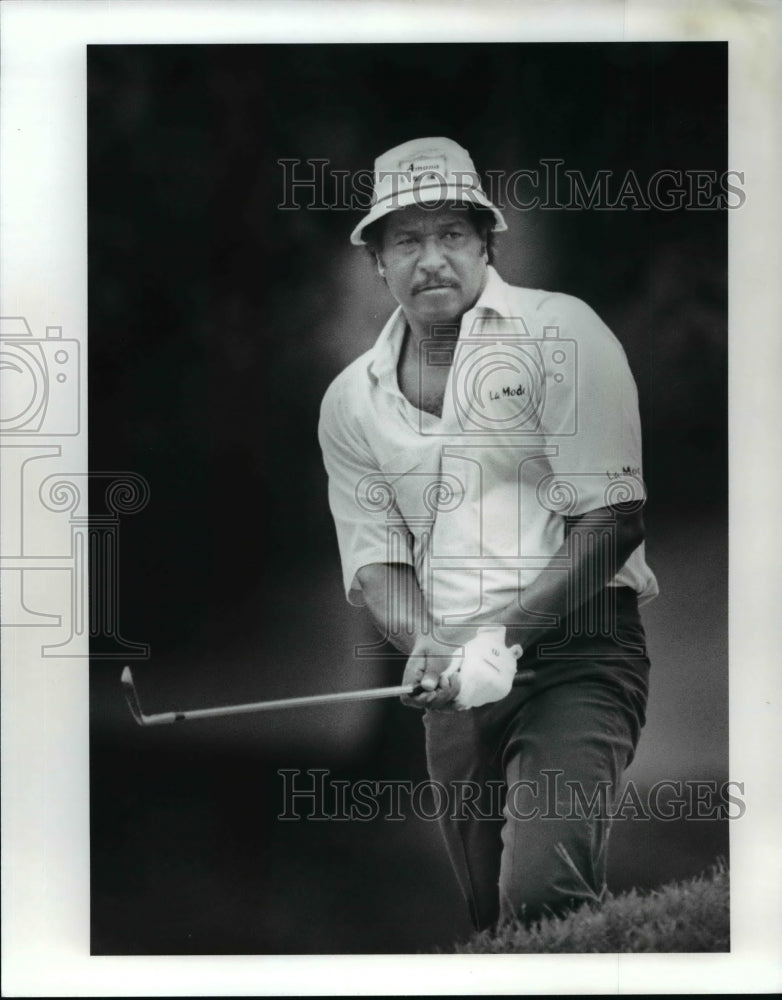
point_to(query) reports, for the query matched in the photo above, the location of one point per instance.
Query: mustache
(433, 284)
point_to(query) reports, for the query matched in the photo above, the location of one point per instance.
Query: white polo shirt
(540, 421)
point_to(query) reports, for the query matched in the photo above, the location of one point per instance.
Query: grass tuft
(690, 916)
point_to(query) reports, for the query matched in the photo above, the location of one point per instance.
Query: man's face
(434, 262)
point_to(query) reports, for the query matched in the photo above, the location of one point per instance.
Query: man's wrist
(436, 645)
(453, 636)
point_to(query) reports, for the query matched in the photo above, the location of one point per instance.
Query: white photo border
(43, 259)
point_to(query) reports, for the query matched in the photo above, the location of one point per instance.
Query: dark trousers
(521, 773)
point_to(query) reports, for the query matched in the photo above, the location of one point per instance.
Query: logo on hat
(434, 164)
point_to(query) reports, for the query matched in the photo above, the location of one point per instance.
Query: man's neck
(445, 329)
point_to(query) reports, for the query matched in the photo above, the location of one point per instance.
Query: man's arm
(396, 604)
(597, 544)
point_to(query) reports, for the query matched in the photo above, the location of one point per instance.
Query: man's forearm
(595, 548)
(395, 602)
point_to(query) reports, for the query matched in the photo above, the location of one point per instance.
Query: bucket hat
(427, 172)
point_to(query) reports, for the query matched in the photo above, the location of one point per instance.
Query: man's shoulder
(571, 316)
(542, 302)
(346, 389)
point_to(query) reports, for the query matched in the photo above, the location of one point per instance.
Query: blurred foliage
(690, 916)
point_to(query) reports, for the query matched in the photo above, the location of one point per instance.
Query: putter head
(131, 697)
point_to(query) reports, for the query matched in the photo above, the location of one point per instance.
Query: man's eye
(454, 234)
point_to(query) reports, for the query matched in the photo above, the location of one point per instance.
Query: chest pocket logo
(511, 384)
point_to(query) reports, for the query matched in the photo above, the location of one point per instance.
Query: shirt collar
(493, 297)
(384, 356)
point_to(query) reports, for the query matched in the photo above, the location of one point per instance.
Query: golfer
(486, 483)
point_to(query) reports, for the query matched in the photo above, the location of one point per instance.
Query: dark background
(216, 322)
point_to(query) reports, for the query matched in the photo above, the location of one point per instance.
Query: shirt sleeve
(590, 414)
(362, 502)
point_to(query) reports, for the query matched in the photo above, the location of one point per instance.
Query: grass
(690, 916)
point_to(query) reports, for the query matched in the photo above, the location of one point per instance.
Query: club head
(131, 697)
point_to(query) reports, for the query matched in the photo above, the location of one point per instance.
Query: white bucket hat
(423, 172)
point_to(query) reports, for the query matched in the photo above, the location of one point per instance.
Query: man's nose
(431, 255)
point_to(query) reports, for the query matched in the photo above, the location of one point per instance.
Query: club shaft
(372, 694)
(267, 706)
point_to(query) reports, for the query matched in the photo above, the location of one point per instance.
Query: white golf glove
(486, 668)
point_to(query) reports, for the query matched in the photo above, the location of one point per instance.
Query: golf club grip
(522, 677)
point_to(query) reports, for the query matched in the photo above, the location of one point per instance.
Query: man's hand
(485, 671)
(426, 665)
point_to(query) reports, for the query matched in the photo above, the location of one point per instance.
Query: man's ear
(380, 269)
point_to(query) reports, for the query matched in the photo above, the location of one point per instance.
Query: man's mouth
(443, 286)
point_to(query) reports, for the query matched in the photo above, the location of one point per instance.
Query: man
(485, 479)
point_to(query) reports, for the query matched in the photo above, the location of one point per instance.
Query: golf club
(164, 718)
